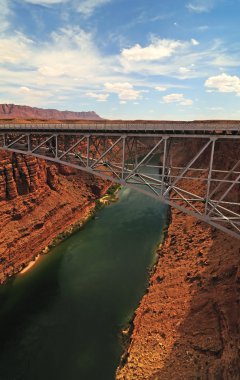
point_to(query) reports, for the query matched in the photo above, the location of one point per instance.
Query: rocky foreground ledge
(188, 324)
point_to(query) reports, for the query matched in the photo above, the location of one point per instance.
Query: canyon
(187, 325)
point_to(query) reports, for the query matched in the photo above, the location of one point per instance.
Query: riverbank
(90, 210)
(39, 201)
(187, 324)
(128, 330)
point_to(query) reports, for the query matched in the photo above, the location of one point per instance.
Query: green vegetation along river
(62, 319)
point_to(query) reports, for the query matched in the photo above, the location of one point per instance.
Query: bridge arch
(193, 167)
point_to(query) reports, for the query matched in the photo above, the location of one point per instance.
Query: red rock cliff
(12, 111)
(187, 326)
(37, 202)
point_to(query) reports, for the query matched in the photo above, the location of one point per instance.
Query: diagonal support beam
(225, 179)
(209, 176)
(187, 167)
(224, 195)
(71, 148)
(15, 141)
(123, 155)
(42, 143)
(107, 151)
(145, 158)
(164, 164)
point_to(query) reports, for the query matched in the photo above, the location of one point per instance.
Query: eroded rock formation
(187, 326)
(37, 202)
(12, 111)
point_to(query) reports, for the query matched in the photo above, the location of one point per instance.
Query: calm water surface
(62, 319)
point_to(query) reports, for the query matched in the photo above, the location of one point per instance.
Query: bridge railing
(204, 127)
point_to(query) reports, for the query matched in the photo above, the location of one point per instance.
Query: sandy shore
(30, 265)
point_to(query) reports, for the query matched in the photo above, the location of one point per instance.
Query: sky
(124, 59)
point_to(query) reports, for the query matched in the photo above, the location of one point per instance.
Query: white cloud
(164, 57)
(98, 96)
(5, 13)
(157, 50)
(177, 98)
(87, 7)
(69, 63)
(124, 90)
(184, 70)
(203, 28)
(45, 2)
(69, 59)
(24, 90)
(161, 88)
(224, 83)
(29, 92)
(224, 60)
(186, 102)
(194, 42)
(200, 6)
(25, 95)
(15, 49)
(216, 109)
(79, 61)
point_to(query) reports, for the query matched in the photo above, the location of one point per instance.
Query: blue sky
(128, 59)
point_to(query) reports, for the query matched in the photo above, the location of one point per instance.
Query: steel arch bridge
(193, 166)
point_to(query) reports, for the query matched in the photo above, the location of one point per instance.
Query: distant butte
(12, 111)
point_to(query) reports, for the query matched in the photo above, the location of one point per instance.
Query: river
(62, 319)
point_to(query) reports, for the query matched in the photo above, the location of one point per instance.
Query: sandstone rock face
(12, 111)
(37, 202)
(188, 324)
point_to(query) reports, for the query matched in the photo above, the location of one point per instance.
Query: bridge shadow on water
(207, 344)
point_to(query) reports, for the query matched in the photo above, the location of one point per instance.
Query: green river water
(62, 319)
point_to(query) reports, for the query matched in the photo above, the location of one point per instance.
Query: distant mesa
(12, 111)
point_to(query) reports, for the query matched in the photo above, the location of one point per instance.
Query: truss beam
(194, 173)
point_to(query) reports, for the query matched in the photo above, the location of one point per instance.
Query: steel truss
(197, 174)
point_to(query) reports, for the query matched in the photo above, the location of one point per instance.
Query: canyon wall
(12, 111)
(187, 326)
(37, 202)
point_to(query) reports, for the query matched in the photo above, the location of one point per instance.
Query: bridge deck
(200, 179)
(206, 127)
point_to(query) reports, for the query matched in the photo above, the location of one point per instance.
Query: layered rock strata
(37, 202)
(187, 326)
(12, 111)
